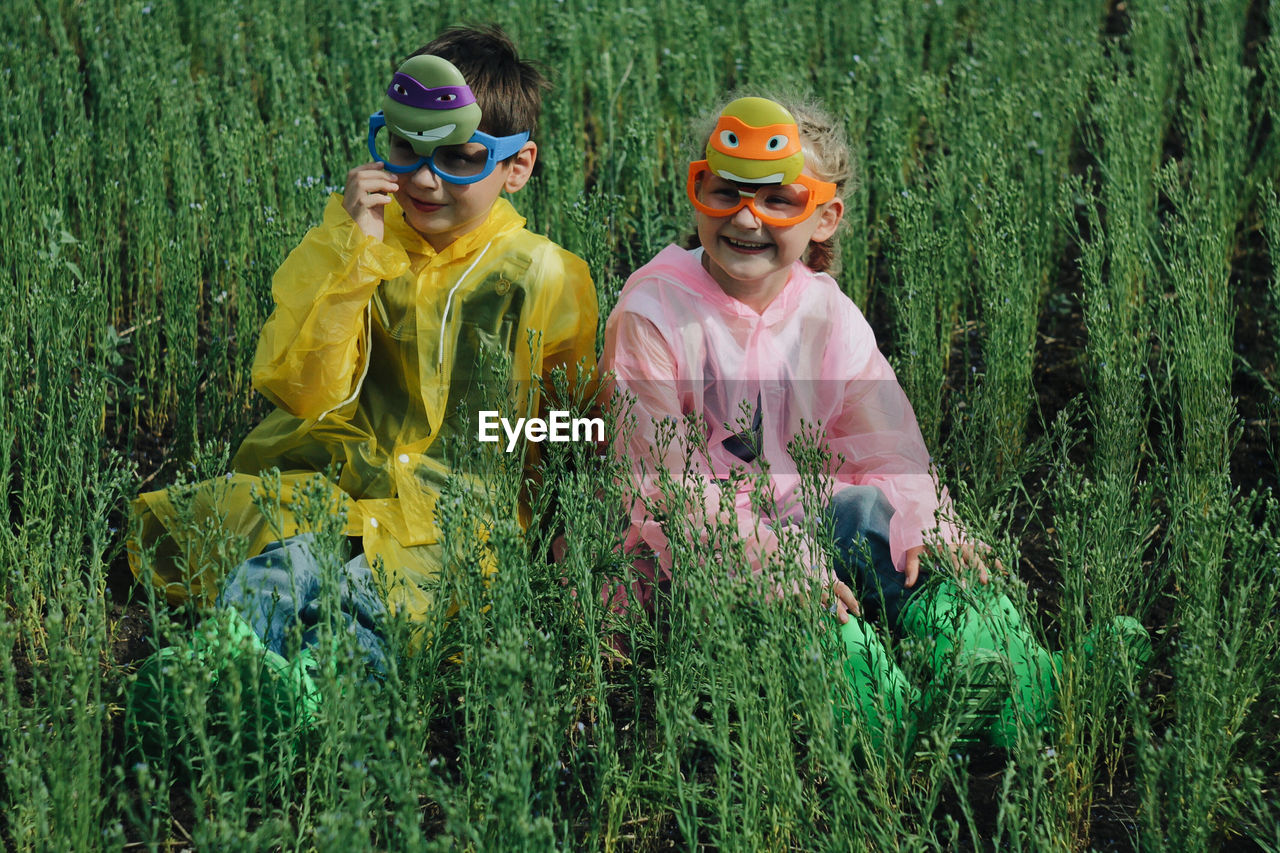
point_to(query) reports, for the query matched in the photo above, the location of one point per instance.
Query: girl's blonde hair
(826, 153)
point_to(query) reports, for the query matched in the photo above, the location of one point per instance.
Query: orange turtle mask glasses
(754, 158)
(773, 204)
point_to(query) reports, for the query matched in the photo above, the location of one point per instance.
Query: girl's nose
(746, 218)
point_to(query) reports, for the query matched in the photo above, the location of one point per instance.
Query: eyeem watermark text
(557, 426)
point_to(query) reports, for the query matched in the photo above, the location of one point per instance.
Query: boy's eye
(400, 151)
(459, 157)
(462, 160)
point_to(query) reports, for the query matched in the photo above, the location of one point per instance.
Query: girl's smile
(751, 259)
(745, 246)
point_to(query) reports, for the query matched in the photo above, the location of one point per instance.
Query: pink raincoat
(679, 346)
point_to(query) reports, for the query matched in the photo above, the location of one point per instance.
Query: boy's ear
(521, 167)
(829, 220)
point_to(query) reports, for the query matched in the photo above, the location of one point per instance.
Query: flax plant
(159, 159)
(1104, 532)
(1190, 764)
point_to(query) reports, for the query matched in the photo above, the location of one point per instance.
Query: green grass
(1057, 208)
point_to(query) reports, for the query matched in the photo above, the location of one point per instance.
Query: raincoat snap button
(502, 286)
(404, 458)
(373, 522)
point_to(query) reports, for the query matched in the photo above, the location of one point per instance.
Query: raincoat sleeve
(654, 436)
(878, 438)
(569, 330)
(314, 344)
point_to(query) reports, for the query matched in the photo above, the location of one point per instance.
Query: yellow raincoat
(370, 349)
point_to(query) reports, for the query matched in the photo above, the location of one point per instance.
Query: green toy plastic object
(756, 141)
(428, 113)
(429, 104)
(983, 637)
(273, 701)
(754, 158)
(1131, 635)
(883, 698)
(955, 622)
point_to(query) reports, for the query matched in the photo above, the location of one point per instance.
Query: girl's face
(749, 258)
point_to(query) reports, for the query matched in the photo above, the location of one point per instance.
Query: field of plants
(1063, 235)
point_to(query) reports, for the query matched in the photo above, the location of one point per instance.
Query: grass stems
(1025, 170)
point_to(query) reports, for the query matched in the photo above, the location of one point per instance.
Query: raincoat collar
(684, 267)
(502, 220)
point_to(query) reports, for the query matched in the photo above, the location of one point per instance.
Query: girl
(747, 334)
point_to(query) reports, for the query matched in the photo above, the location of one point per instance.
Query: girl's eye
(776, 143)
(725, 194)
(728, 139)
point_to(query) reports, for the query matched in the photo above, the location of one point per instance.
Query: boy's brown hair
(507, 88)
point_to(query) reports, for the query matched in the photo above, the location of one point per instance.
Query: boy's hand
(961, 556)
(368, 191)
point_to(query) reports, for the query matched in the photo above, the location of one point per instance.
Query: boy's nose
(425, 178)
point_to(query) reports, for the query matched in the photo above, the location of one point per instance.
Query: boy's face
(442, 212)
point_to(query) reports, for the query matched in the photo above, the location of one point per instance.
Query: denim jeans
(953, 621)
(860, 518)
(281, 588)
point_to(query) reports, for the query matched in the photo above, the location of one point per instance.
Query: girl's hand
(368, 191)
(962, 557)
(844, 604)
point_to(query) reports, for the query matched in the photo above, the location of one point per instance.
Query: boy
(382, 315)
